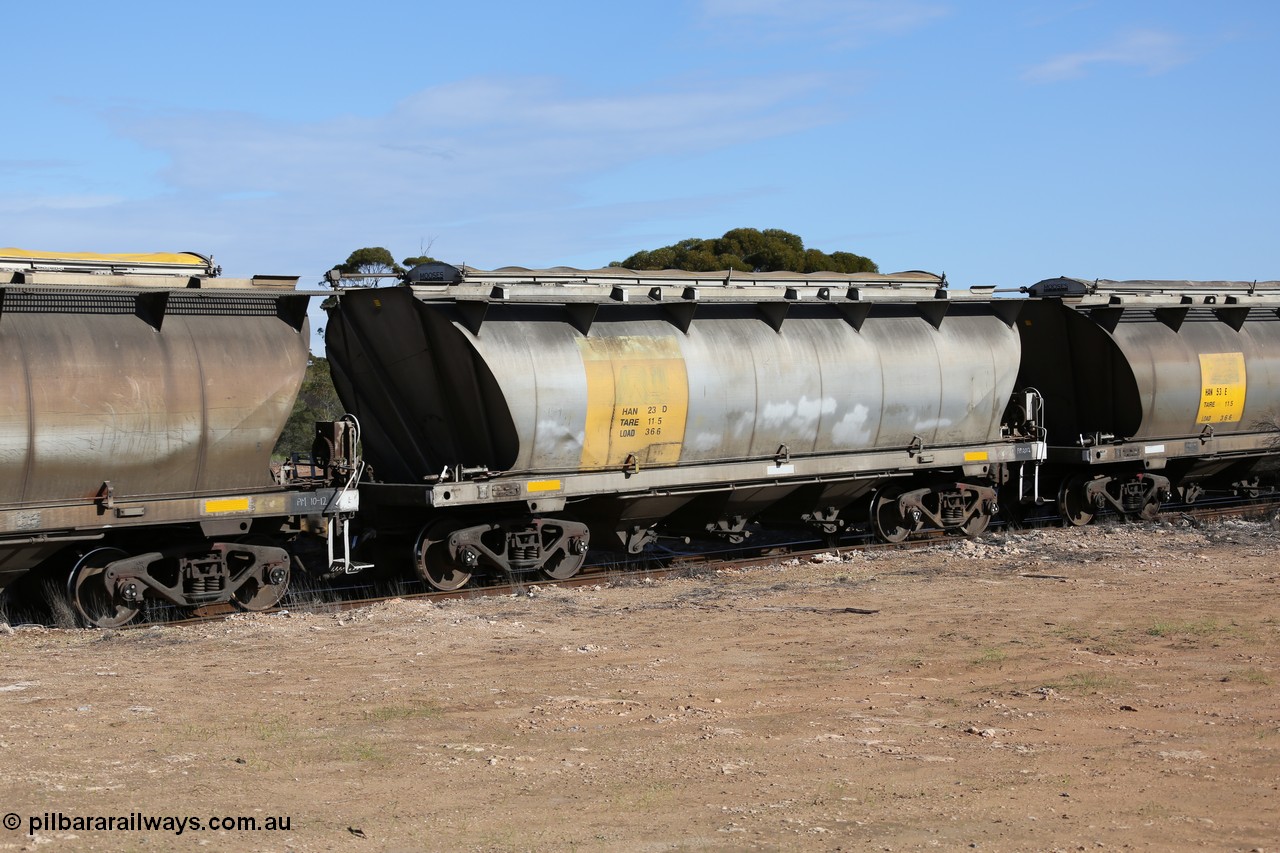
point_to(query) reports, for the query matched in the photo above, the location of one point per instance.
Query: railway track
(613, 569)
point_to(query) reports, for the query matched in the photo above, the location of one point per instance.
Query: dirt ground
(1107, 688)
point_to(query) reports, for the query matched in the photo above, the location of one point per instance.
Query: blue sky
(998, 142)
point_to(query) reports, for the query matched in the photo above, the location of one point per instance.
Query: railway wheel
(1150, 510)
(433, 562)
(887, 520)
(1073, 503)
(563, 570)
(261, 593)
(87, 591)
(976, 525)
(567, 562)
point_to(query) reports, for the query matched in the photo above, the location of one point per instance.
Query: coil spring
(204, 584)
(1133, 496)
(524, 553)
(952, 510)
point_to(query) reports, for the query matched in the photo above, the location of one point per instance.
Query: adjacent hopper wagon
(144, 396)
(1153, 388)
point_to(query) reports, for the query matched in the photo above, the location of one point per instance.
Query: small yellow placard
(1222, 389)
(975, 456)
(227, 505)
(544, 485)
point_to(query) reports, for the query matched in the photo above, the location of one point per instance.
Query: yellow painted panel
(163, 258)
(975, 456)
(544, 485)
(227, 505)
(637, 400)
(1222, 392)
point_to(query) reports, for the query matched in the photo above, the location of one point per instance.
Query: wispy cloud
(1151, 51)
(523, 139)
(502, 163)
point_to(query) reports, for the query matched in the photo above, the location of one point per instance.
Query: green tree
(849, 262)
(317, 401)
(747, 250)
(410, 263)
(370, 261)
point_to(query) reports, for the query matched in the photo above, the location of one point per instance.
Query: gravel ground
(1103, 688)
